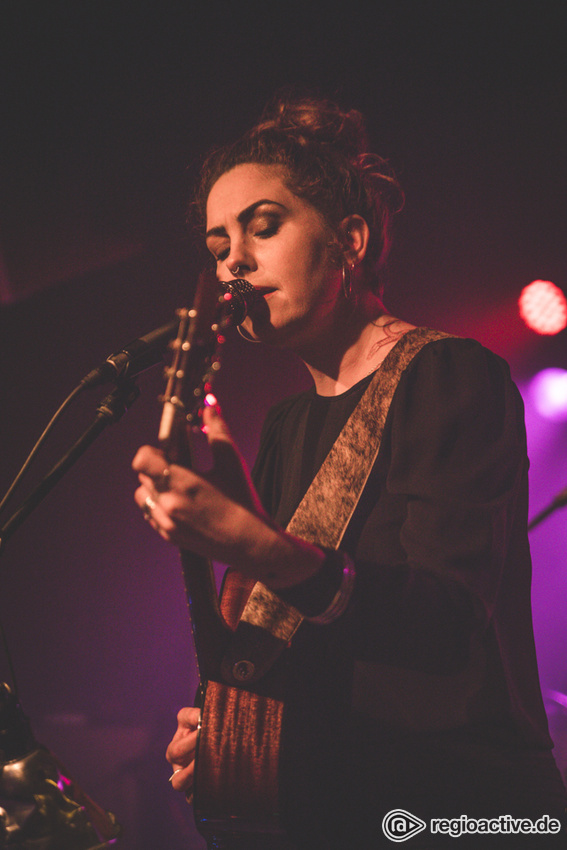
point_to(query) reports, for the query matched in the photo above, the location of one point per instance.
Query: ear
(353, 234)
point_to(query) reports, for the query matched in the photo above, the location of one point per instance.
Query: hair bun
(317, 121)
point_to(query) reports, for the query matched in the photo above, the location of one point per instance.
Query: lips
(264, 291)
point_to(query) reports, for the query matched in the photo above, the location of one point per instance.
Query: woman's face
(282, 245)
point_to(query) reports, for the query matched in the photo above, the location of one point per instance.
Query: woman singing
(412, 681)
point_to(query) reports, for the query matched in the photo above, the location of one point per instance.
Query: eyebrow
(242, 217)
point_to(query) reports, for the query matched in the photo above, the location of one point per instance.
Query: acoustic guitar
(236, 770)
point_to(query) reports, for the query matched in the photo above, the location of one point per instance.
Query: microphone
(147, 351)
(242, 294)
(135, 357)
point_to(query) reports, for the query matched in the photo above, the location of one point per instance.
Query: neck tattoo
(390, 336)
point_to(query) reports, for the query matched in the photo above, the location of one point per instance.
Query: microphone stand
(42, 807)
(28, 771)
(558, 502)
(110, 410)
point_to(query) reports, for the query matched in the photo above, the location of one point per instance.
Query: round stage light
(543, 307)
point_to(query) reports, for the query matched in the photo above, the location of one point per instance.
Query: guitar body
(236, 788)
(236, 770)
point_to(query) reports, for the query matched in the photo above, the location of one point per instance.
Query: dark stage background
(107, 110)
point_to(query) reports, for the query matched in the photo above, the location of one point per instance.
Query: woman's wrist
(276, 558)
(324, 596)
(316, 581)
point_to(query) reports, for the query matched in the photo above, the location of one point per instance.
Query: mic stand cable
(110, 410)
(49, 427)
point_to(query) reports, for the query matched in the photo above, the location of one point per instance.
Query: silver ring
(148, 507)
(179, 769)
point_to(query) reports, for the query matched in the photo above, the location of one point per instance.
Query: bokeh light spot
(543, 307)
(548, 390)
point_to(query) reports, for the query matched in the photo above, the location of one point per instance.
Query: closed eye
(267, 231)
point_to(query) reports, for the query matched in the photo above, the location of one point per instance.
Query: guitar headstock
(196, 360)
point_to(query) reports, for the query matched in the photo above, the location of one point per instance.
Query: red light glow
(543, 307)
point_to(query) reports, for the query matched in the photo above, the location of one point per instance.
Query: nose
(240, 260)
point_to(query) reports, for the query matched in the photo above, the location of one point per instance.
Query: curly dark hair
(324, 155)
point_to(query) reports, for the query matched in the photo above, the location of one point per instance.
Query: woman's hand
(218, 514)
(208, 513)
(181, 751)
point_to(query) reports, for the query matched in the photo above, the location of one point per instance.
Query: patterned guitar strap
(267, 624)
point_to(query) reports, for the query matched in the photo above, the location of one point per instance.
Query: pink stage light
(548, 390)
(543, 307)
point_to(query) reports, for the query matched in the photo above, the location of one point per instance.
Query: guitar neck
(210, 632)
(189, 379)
(209, 629)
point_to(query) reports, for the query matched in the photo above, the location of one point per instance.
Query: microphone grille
(242, 295)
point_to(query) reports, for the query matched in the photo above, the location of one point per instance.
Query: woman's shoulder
(447, 352)
(457, 376)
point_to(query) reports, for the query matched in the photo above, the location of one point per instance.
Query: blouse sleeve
(450, 480)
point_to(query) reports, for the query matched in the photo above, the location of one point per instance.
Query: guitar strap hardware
(265, 628)
(268, 624)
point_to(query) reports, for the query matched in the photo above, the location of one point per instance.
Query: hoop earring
(347, 280)
(246, 335)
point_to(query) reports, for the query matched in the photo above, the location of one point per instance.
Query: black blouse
(433, 666)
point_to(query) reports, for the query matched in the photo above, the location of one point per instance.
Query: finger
(214, 425)
(148, 483)
(189, 717)
(185, 739)
(148, 502)
(150, 461)
(182, 778)
(181, 750)
(157, 485)
(146, 499)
